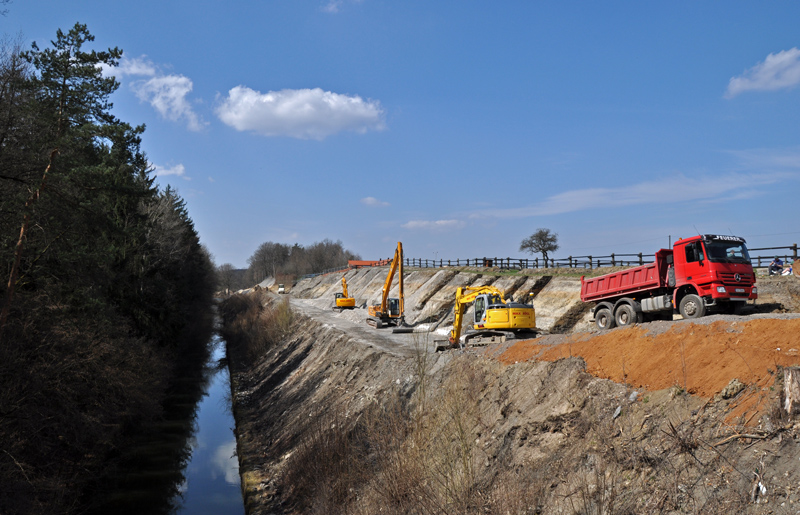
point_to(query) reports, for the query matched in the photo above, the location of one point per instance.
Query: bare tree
(225, 276)
(543, 240)
(266, 260)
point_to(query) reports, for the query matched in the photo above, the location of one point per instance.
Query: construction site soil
(664, 417)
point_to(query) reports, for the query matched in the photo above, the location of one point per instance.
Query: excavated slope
(525, 427)
(430, 293)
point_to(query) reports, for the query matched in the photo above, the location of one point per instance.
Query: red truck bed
(627, 282)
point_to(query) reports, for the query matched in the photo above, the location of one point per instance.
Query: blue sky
(458, 127)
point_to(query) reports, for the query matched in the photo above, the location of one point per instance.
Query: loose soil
(700, 359)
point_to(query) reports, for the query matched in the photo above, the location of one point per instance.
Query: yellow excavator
(389, 311)
(342, 300)
(494, 320)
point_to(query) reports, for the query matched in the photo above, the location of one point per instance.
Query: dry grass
(254, 323)
(397, 458)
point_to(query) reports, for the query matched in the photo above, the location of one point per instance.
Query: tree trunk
(791, 388)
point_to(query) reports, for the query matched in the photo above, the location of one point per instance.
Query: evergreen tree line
(278, 260)
(104, 273)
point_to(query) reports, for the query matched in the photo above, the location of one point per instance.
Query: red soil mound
(702, 359)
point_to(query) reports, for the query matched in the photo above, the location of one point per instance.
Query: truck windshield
(727, 252)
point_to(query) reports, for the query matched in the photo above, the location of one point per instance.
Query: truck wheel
(625, 316)
(692, 306)
(603, 319)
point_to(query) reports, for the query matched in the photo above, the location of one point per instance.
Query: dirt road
(353, 322)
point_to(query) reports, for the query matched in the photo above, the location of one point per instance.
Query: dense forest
(105, 276)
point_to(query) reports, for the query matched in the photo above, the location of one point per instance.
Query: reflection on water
(211, 483)
(186, 463)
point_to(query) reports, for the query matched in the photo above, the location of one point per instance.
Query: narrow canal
(185, 463)
(211, 484)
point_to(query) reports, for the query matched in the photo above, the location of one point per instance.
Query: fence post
(590, 262)
(613, 261)
(794, 252)
(536, 262)
(641, 261)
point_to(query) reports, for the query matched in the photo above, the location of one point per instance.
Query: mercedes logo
(737, 277)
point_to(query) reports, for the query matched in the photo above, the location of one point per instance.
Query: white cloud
(129, 66)
(333, 6)
(299, 113)
(765, 158)
(138, 66)
(178, 170)
(778, 71)
(167, 94)
(225, 463)
(373, 202)
(669, 190)
(433, 225)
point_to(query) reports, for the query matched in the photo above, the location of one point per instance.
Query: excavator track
(481, 338)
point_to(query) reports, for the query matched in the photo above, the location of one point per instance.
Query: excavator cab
(393, 307)
(480, 309)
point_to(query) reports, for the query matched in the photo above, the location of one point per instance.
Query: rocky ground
(669, 417)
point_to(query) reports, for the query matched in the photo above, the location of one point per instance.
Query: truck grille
(728, 277)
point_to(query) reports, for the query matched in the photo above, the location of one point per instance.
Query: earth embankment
(669, 417)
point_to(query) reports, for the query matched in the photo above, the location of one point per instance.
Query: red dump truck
(701, 274)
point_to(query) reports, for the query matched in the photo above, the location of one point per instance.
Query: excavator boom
(390, 311)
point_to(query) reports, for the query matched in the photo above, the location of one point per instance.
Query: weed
(254, 325)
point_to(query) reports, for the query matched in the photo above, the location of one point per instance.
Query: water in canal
(186, 464)
(211, 483)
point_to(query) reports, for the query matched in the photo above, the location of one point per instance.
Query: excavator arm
(464, 296)
(383, 313)
(344, 287)
(397, 262)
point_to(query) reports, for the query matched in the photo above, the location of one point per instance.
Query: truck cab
(715, 268)
(281, 288)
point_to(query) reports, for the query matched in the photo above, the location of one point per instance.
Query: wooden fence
(587, 262)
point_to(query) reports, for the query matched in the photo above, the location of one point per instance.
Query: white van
(281, 289)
